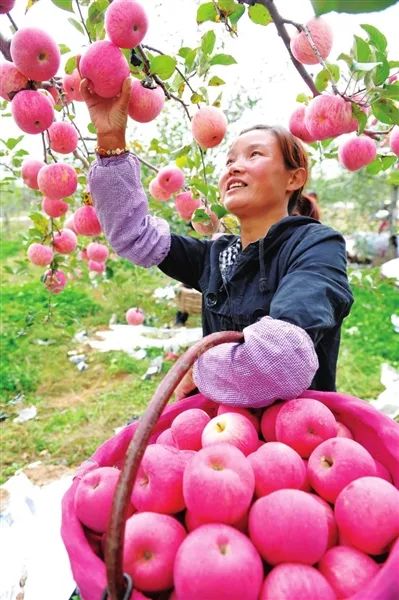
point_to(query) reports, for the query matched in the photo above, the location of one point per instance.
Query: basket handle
(114, 541)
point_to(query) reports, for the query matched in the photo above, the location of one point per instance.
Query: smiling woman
(282, 281)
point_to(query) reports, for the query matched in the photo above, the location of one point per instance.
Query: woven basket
(189, 300)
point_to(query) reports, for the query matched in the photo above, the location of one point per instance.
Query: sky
(263, 65)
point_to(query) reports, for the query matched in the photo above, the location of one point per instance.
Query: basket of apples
(202, 501)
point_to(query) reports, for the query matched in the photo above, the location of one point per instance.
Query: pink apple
(321, 34)
(29, 171)
(171, 179)
(97, 251)
(166, 438)
(218, 484)
(208, 126)
(268, 421)
(186, 204)
(187, 428)
(126, 23)
(35, 53)
(344, 431)
(208, 227)
(96, 266)
(151, 543)
(297, 125)
(93, 497)
(382, 471)
(54, 281)
(367, 514)
(71, 85)
(54, 208)
(357, 152)
(106, 68)
(329, 116)
(332, 539)
(159, 482)
(231, 428)
(156, 191)
(6, 6)
(296, 582)
(31, 111)
(145, 103)
(65, 241)
(224, 408)
(217, 562)
(135, 316)
(394, 140)
(85, 221)
(347, 570)
(276, 466)
(41, 255)
(11, 80)
(63, 137)
(304, 423)
(289, 526)
(335, 463)
(57, 180)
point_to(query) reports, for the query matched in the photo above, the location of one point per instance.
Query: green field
(76, 411)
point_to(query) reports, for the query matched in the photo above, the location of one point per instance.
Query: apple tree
(357, 94)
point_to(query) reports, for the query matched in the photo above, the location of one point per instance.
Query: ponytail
(303, 205)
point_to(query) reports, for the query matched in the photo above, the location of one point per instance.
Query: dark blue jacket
(296, 273)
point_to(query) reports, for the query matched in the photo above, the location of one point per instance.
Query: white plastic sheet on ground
(388, 401)
(129, 338)
(31, 549)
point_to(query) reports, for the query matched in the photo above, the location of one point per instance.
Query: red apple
(187, 428)
(232, 428)
(347, 570)
(135, 316)
(268, 421)
(296, 582)
(276, 466)
(208, 126)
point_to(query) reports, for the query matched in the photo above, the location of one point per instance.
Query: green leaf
(237, 14)
(302, 98)
(227, 6)
(63, 4)
(222, 59)
(346, 58)
(259, 14)
(391, 91)
(163, 66)
(322, 80)
(360, 116)
(393, 177)
(219, 210)
(208, 42)
(91, 128)
(70, 65)
(215, 80)
(364, 67)
(376, 38)
(393, 64)
(385, 111)
(200, 216)
(388, 161)
(362, 50)
(12, 142)
(381, 72)
(40, 222)
(350, 6)
(63, 49)
(181, 152)
(207, 12)
(77, 25)
(374, 167)
(196, 98)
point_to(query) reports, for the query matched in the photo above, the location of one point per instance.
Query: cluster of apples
(329, 115)
(233, 503)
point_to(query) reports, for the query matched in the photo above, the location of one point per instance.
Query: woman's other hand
(186, 385)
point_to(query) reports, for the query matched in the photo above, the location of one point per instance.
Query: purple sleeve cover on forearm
(277, 360)
(122, 208)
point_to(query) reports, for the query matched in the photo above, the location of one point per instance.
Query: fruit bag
(375, 431)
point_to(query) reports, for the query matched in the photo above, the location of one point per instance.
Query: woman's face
(255, 179)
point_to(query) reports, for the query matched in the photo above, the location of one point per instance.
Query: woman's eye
(256, 153)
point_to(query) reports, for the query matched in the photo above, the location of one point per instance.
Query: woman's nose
(236, 167)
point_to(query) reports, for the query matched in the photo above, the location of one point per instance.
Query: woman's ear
(297, 179)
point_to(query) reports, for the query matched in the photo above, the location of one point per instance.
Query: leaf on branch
(163, 66)
(381, 73)
(200, 216)
(364, 66)
(207, 12)
(63, 4)
(302, 98)
(70, 65)
(12, 142)
(385, 111)
(63, 48)
(376, 37)
(391, 91)
(222, 59)
(77, 25)
(196, 98)
(259, 14)
(219, 210)
(181, 152)
(362, 51)
(360, 116)
(208, 41)
(215, 80)
(29, 4)
(393, 178)
(322, 7)
(40, 222)
(235, 16)
(388, 161)
(92, 129)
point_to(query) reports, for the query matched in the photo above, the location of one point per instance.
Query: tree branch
(5, 47)
(83, 21)
(282, 32)
(13, 23)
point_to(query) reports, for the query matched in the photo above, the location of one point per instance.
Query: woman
(283, 281)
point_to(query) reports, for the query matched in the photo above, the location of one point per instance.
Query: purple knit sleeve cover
(122, 208)
(277, 360)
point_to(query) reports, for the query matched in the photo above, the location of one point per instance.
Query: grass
(76, 411)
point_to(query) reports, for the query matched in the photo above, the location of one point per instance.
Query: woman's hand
(186, 385)
(108, 115)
